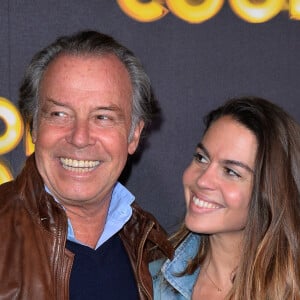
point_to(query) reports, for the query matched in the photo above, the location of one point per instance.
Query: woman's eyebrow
(227, 161)
(202, 147)
(239, 164)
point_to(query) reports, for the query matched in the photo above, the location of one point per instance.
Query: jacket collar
(183, 254)
(41, 205)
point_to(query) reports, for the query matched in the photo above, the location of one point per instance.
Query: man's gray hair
(86, 43)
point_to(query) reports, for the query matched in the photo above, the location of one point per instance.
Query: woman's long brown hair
(270, 263)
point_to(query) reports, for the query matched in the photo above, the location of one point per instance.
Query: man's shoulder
(8, 193)
(141, 216)
(143, 224)
(12, 211)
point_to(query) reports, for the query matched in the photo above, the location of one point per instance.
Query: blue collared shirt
(119, 213)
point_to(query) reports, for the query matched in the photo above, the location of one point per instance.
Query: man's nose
(80, 134)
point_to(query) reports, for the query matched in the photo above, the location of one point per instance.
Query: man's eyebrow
(227, 161)
(55, 102)
(108, 107)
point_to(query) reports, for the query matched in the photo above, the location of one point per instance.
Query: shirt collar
(119, 213)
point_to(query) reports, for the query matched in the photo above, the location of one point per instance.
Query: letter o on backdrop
(195, 11)
(294, 8)
(259, 12)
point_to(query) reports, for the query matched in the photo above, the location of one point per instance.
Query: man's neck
(87, 223)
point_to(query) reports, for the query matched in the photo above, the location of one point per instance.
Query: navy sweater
(105, 273)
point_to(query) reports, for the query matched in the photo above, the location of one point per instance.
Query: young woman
(241, 237)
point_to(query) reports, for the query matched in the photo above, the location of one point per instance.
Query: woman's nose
(207, 177)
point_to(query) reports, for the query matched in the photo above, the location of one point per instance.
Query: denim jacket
(168, 286)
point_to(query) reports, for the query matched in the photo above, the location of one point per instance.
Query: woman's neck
(225, 250)
(223, 258)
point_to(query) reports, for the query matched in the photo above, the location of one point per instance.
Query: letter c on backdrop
(5, 174)
(143, 11)
(195, 11)
(14, 126)
(257, 12)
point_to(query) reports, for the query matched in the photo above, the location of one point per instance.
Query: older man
(68, 228)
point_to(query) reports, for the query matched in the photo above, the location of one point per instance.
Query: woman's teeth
(204, 204)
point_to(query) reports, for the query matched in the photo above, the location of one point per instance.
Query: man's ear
(133, 143)
(33, 135)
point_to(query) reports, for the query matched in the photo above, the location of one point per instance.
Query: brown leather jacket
(34, 263)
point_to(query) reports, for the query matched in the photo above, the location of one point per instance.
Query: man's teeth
(79, 165)
(204, 204)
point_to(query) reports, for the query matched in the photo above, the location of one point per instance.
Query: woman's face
(218, 183)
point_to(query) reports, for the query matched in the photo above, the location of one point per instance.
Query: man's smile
(79, 165)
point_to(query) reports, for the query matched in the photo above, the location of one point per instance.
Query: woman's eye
(231, 172)
(200, 158)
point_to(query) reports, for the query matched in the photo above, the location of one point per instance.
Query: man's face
(84, 120)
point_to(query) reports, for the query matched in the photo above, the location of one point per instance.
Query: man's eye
(103, 117)
(200, 158)
(58, 114)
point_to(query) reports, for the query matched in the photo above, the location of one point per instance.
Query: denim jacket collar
(183, 254)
